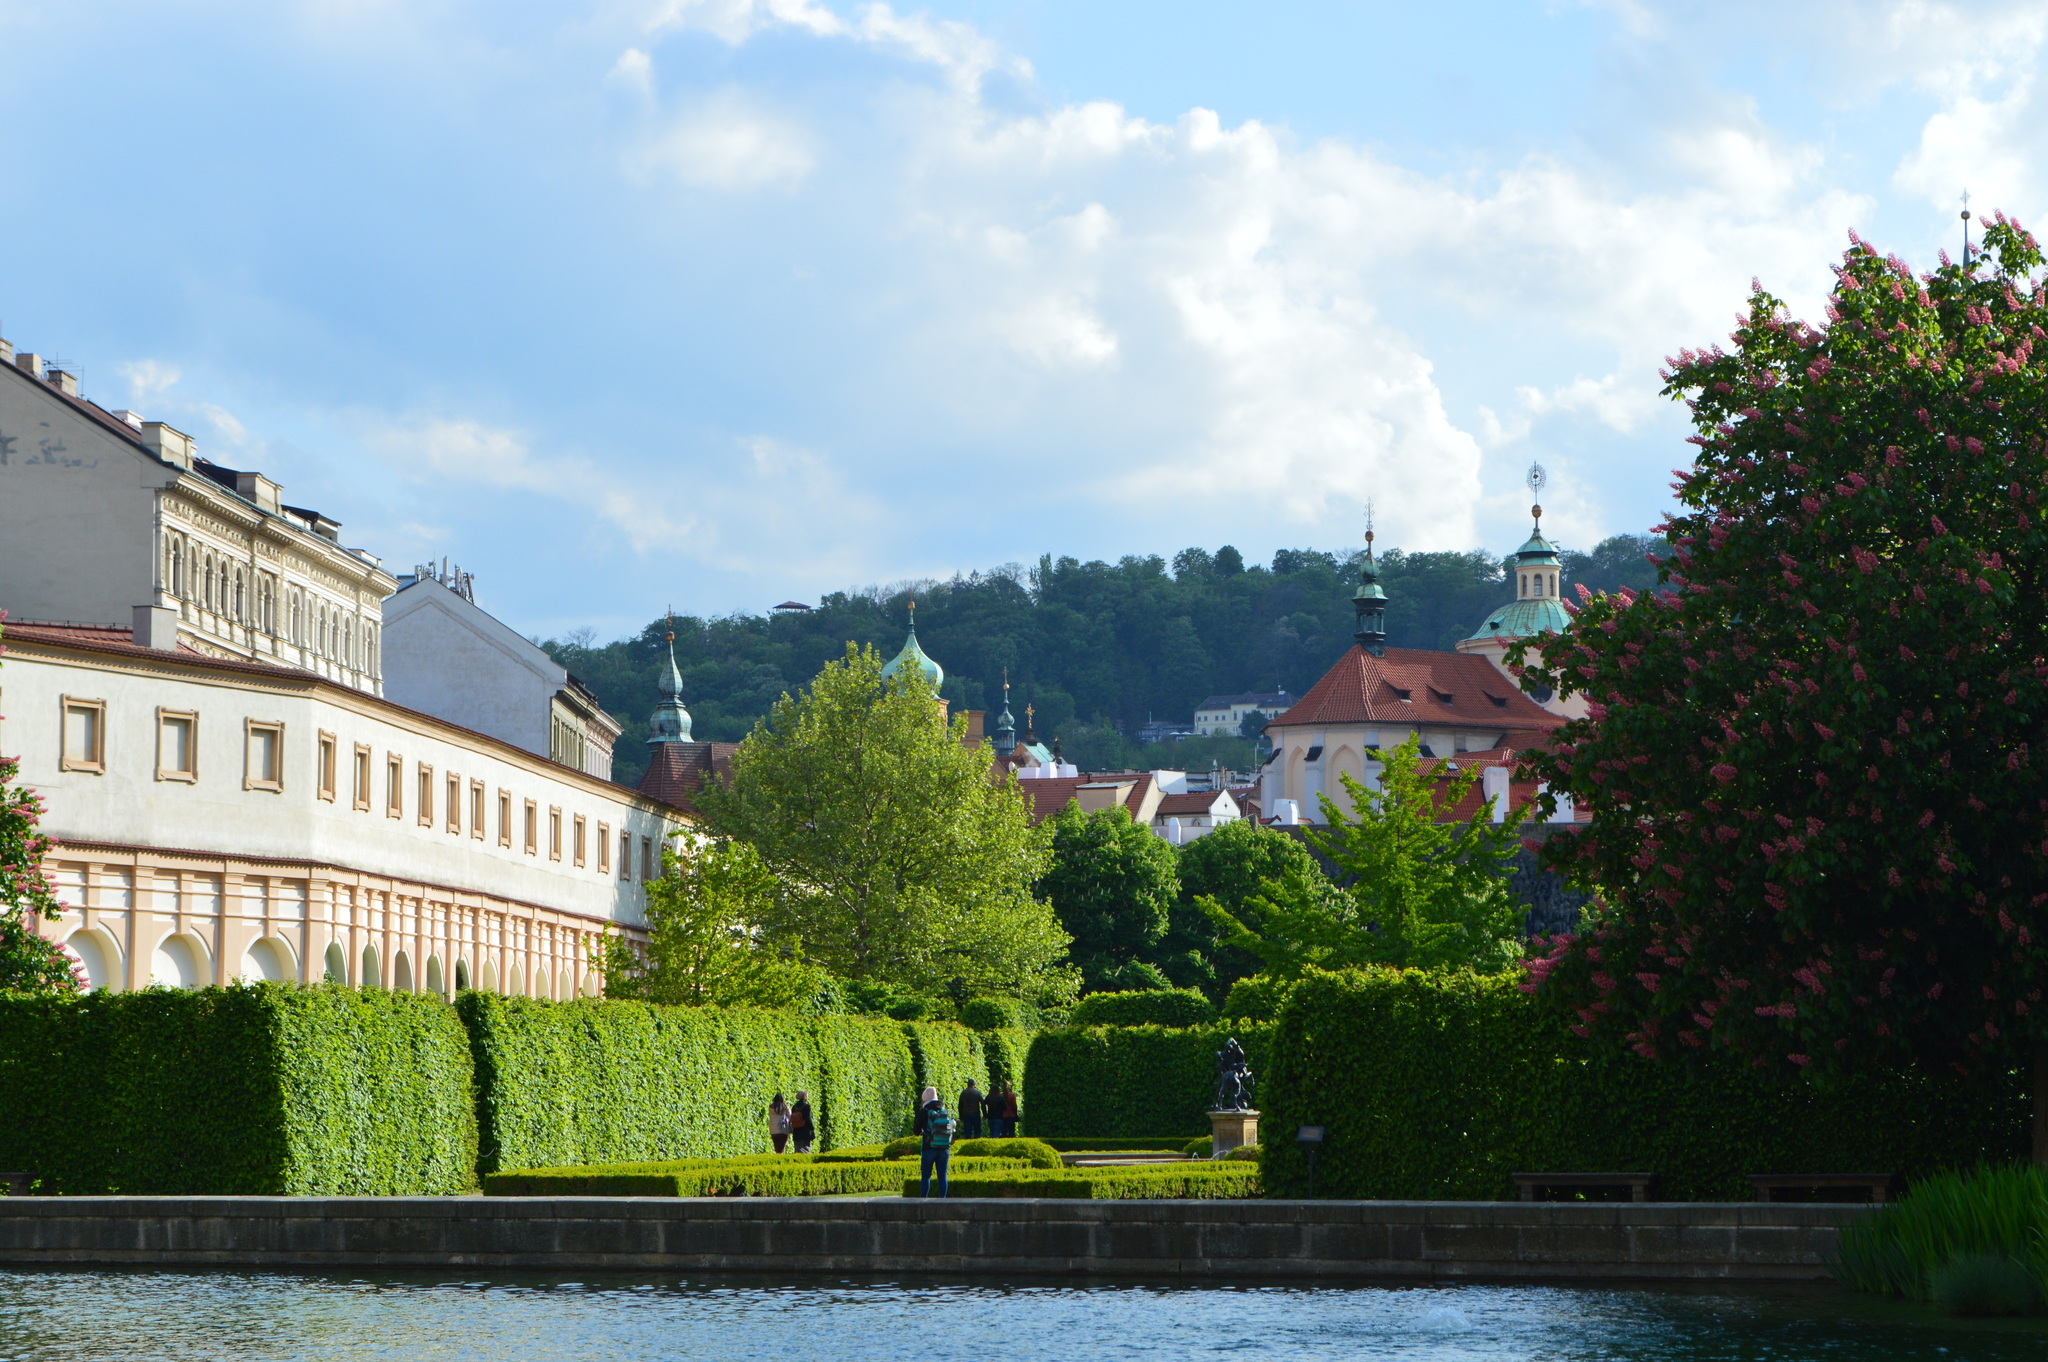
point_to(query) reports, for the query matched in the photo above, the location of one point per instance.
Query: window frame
(274, 784)
(190, 718)
(554, 832)
(625, 855)
(604, 849)
(646, 859)
(97, 763)
(579, 841)
(365, 774)
(477, 794)
(326, 766)
(425, 778)
(394, 789)
(454, 804)
(504, 817)
(532, 828)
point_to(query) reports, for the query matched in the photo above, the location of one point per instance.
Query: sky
(631, 304)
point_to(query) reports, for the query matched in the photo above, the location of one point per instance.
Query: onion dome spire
(914, 656)
(1370, 600)
(670, 722)
(1006, 722)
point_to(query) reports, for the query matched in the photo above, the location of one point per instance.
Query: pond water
(229, 1316)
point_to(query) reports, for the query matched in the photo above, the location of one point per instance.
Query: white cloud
(725, 143)
(961, 51)
(147, 377)
(462, 452)
(225, 422)
(635, 70)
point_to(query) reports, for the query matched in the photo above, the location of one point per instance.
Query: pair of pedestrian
(1001, 1112)
(788, 1121)
(934, 1127)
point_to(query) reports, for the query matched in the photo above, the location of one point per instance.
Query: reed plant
(1974, 1241)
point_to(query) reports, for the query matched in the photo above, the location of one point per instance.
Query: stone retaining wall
(1292, 1240)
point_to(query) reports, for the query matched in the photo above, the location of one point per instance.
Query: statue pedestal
(1232, 1129)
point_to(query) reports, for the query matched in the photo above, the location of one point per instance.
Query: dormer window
(1499, 701)
(1314, 753)
(1443, 697)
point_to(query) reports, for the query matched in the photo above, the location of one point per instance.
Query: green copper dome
(1524, 619)
(914, 656)
(670, 721)
(1538, 575)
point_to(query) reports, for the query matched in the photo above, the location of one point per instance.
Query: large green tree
(1820, 831)
(1420, 888)
(705, 942)
(1229, 866)
(1112, 882)
(896, 858)
(29, 962)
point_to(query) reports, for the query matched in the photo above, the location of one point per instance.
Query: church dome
(1524, 619)
(914, 656)
(1538, 577)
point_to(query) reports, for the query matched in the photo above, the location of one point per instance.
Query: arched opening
(101, 958)
(434, 975)
(591, 986)
(567, 989)
(337, 963)
(372, 976)
(487, 979)
(462, 976)
(401, 972)
(180, 962)
(270, 959)
(515, 983)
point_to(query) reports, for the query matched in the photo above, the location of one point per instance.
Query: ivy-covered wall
(261, 1089)
(1441, 1086)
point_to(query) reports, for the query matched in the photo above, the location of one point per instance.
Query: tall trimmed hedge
(1133, 1080)
(596, 1081)
(258, 1089)
(1145, 1007)
(1441, 1086)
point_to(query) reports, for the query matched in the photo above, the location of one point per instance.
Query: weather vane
(1966, 229)
(1368, 526)
(1537, 479)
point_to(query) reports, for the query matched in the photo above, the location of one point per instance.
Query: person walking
(972, 1107)
(778, 1122)
(801, 1127)
(936, 1148)
(1009, 1105)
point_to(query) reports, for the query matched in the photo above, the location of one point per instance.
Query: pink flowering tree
(1819, 829)
(28, 962)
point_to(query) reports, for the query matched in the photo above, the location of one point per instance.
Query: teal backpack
(938, 1129)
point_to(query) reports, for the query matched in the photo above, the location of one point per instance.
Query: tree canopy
(1097, 648)
(1819, 832)
(1112, 882)
(705, 945)
(895, 858)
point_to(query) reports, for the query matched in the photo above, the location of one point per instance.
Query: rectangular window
(625, 854)
(326, 765)
(394, 793)
(504, 818)
(264, 762)
(646, 858)
(476, 809)
(576, 841)
(554, 834)
(604, 849)
(532, 828)
(454, 803)
(85, 735)
(426, 779)
(362, 774)
(177, 745)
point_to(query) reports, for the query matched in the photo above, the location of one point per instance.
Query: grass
(1974, 1242)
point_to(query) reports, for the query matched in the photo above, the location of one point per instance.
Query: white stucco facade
(107, 519)
(220, 820)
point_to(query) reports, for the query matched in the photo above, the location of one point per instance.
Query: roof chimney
(132, 418)
(6, 352)
(259, 489)
(30, 363)
(63, 382)
(170, 445)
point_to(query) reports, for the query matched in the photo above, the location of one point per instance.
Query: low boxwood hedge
(769, 1176)
(1118, 1144)
(1036, 1153)
(1174, 1182)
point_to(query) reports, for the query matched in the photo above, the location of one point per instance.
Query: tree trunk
(2041, 1105)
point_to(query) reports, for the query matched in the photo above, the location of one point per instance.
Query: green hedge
(1441, 1086)
(945, 1057)
(1132, 1081)
(264, 1089)
(1256, 999)
(772, 1176)
(1007, 1051)
(1145, 1007)
(1036, 1153)
(1179, 1182)
(604, 1081)
(1118, 1144)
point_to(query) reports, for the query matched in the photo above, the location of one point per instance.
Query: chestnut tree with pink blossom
(1819, 828)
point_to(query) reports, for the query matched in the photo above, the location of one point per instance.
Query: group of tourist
(934, 1126)
(792, 1121)
(998, 1106)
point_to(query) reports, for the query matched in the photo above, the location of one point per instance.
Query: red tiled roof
(1416, 686)
(1049, 795)
(1200, 802)
(677, 770)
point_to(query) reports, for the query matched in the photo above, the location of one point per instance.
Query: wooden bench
(17, 1183)
(1533, 1184)
(1877, 1185)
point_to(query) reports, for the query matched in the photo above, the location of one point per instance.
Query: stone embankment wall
(1292, 1240)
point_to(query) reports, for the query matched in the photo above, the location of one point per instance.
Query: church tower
(1537, 573)
(670, 722)
(1370, 602)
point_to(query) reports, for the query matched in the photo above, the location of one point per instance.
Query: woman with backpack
(936, 1148)
(778, 1122)
(800, 1125)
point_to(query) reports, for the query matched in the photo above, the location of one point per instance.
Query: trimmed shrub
(1442, 1085)
(1256, 999)
(1132, 1081)
(1036, 1153)
(945, 1056)
(1006, 1051)
(1113, 1144)
(255, 1090)
(770, 1176)
(1147, 1007)
(1244, 1153)
(997, 1014)
(903, 1146)
(605, 1081)
(1178, 1182)
(1204, 1148)
(860, 1153)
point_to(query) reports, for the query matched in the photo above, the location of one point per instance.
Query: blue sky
(713, 303)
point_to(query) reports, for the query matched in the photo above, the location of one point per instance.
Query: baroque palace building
(195, 684)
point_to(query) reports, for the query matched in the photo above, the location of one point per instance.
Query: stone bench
(1534, 1184)
(1877, 1185)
